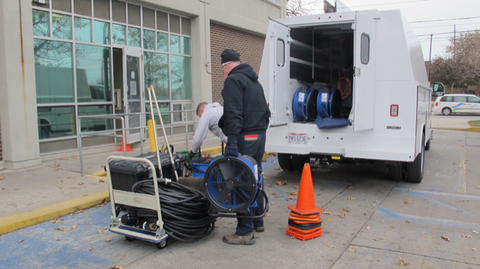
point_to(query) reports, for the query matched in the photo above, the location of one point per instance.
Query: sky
(440, 18)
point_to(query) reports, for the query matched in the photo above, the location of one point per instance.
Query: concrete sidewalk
(57, 188)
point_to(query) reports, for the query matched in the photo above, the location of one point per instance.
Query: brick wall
(249, 46)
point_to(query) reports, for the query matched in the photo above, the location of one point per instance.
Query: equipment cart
(121, 197)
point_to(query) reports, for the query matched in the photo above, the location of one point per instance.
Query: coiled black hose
(184, 210)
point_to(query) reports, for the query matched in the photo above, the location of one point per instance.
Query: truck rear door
(364, 78)
(275, 71)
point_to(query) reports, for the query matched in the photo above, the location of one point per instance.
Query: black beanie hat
(229, 55)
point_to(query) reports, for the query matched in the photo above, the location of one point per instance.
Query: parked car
(457, 103)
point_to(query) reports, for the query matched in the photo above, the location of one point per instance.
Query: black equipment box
(125, 174)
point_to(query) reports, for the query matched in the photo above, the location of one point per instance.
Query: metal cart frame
(139, 200)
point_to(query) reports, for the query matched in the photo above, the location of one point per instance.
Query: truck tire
(427, 146)
(285, 162)
(414, 172)
(446, 111)
(299, 162)
(397, 172)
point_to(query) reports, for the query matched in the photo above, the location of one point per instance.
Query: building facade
(74, 67)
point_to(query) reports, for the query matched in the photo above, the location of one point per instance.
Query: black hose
(184, 210)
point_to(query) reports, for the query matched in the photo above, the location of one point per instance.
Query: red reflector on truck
(394, 110)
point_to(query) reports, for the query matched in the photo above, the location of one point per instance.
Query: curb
(23, 220)
(34, 217)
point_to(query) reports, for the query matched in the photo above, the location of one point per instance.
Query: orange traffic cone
(304, 221)
(124, 142)
(306, 200)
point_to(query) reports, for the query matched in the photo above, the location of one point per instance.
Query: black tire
(162, 244)
(397, 172)
(428, 145)
(446, 111)
(414, 170)
(299, 162)
(129, 239)
(285, 162)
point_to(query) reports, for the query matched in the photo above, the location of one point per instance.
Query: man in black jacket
(245, 120)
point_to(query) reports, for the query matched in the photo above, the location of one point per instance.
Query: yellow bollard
(151, 135)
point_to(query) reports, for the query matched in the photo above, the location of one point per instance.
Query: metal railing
(114, 132)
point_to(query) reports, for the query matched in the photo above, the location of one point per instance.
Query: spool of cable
(344, 85)
(300, 103)
(329, 102)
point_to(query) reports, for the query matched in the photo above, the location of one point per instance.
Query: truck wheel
(414, 171)
(299, 162)
(427, 146)
(446, 111)
(397, 172)
(285, 162)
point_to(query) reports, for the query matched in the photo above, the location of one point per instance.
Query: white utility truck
(348, 86)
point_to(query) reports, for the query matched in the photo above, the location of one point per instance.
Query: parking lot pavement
(369, 222)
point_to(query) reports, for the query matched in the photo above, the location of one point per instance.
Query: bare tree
(299, 7)
(461, 66)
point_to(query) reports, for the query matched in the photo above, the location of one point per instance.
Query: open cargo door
(275, 68)
(364, 78)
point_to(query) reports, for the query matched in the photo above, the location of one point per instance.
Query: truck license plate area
(297, 138)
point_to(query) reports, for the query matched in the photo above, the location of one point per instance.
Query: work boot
(235, 239)
(259, 229)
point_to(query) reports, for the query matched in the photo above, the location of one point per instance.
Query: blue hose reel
(329, 103)
(232, 185)
(305, 104)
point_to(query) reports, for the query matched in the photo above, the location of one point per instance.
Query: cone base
(128, 148)
(304, 236)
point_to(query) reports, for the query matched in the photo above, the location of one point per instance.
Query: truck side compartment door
(275, 71)
(364, 77)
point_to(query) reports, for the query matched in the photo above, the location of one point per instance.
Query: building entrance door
(133, 93)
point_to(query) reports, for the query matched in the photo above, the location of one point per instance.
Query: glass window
(119, 34)
(134, 36)
(40, 23)
(53, 71)
(162, 42)
(83, 29)
(164, 110)
(148, 18)
(83, 7)
(446, 99)
(365, 49)
(181, 76)
(148, 39)
(186, 45)
(156, 73)
(95, 124)
(93, 73)
(133, 14)
(174, 43)
(62, 5)
(102, 9)
(174, 24)
(102, 32)
(61, 26)
(56, 121)
(162, 21)
(472, 99)
(280, 52)
(119, 11)
(186, 26)
(462, 99)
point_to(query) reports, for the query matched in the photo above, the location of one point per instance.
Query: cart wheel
(129, 239)
(162, 244)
